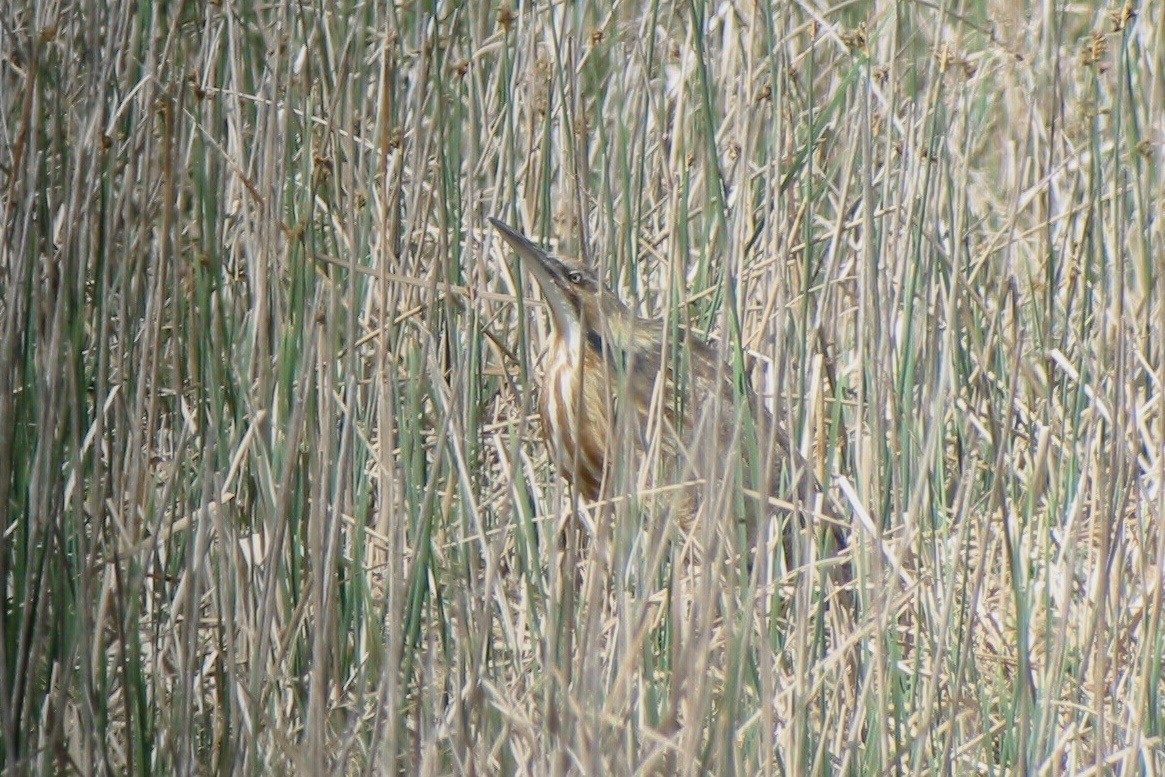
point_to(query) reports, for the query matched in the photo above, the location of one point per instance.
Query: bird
(611, 383)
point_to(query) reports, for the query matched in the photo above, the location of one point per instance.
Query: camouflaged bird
(608, 390)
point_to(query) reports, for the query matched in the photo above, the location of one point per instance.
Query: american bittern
(602, 369)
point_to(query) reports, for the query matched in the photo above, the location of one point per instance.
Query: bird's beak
(548, 271)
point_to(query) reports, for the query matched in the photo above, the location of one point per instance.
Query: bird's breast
(575, 415)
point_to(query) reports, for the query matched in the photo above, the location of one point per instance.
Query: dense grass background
(274, 493)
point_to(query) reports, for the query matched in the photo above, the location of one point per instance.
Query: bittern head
(578, 301)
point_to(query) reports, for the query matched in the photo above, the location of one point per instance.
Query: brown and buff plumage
(610, 386)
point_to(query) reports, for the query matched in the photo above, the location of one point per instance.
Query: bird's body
(575, 421)
(597, 399)
(614, 387)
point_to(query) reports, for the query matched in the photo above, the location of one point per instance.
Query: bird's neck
(604, 332)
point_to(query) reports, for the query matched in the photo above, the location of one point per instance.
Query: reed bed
(275, 499)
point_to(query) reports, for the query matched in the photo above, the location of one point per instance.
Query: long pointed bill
(548, 271)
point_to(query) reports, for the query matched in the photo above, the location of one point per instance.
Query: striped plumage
(608, 391)
(578, 450)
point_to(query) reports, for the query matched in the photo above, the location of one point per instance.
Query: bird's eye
(574, 277)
